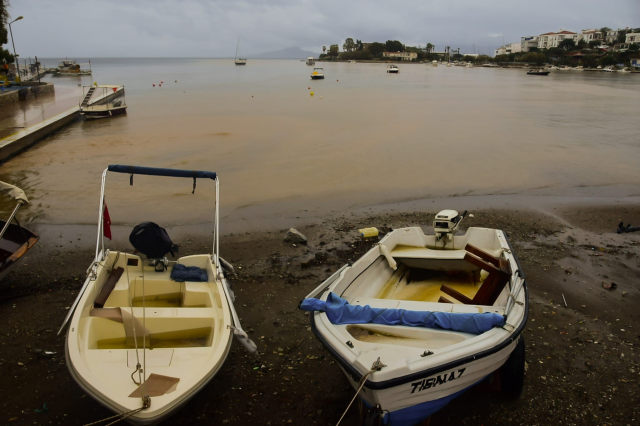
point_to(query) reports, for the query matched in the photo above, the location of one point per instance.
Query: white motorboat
(393, 69)
(608, 69)
(469, 65)
(352, 61)
(239, 61)
(448, 64)
(15, 240)
(578, 68)
(145, 334)
(109, 102)
(311, 60)
(317, 74)
(434, 63)
(421, 318)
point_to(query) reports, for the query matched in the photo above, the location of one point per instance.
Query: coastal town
(599, 49)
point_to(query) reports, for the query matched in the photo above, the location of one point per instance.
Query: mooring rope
(377, 366)
(120, 416)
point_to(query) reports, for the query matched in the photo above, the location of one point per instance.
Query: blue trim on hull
(415, 414)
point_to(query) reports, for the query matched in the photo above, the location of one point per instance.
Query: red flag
(106, 222)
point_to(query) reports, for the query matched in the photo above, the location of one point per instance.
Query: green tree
(333, 50)
(4, 39)
(376, 49)
(567, 44)
(622, 36)
(359, 45)
(594, 43)
(394, 46)
(537, 58)
(349, 45)
(582, 44)
(608, 60)
(430, 48)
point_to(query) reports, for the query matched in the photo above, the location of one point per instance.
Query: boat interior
(182, 325)
(428, 278)
(14, 243)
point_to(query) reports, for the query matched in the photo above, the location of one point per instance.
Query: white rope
(133, 322)
(377, 366)
(144, 343)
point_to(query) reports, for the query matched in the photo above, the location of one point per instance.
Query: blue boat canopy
(156, 171)
(339, 311)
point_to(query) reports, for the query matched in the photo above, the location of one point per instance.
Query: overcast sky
(209, 28)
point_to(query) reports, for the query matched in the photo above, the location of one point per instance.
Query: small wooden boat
(102, 101)
(144, 337)
(15, 240)
(393, 69)
(420, 318)
(539, 72)
(317, 74)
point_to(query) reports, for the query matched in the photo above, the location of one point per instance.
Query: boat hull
(14, 246)
(93, 114)
(317, 77)
(539, 73)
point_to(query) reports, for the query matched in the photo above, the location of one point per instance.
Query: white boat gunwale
(370, 384)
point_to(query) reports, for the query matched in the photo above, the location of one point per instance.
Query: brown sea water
(364, 138)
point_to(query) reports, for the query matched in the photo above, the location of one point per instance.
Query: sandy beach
(582, 358)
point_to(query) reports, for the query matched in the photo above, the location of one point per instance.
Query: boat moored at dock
(538, 72)
(393, 69)
(110, 101)
(420, 318)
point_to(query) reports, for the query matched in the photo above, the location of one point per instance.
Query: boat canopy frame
(153, 171)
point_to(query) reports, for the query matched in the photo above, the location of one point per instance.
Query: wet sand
(582, 359)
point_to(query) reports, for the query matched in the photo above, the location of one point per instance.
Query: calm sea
(364, 137)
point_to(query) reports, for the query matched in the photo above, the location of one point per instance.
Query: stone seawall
(29, 90)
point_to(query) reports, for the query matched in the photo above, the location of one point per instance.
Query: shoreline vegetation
(568, 53)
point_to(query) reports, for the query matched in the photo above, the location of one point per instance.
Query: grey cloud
(91, 28)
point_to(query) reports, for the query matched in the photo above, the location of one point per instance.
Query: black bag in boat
(152, 240)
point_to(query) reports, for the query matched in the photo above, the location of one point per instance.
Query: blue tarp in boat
(339, 311)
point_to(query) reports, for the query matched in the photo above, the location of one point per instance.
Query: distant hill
(288, 53)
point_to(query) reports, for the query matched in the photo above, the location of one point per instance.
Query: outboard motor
(446, 224)
(154, 242)
(117, 102)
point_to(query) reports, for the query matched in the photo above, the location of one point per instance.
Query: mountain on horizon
(288, 53)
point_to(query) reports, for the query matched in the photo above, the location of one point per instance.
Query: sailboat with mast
(239, 61)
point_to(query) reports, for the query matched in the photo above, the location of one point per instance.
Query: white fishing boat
(434, 63)
(420, 318)
(317, 74)
(15, 240)
(109, 101)
(146, 333)
(239, 61)
(69, 67)
(394, 69)
(448, 64)
(311, 60)
(469, 65)
(578, 68)
(352, 61)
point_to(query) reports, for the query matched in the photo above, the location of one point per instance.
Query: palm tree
(430, 47)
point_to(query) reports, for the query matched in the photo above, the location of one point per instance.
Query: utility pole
(14, 47)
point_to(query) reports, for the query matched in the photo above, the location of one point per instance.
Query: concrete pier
(13, 144)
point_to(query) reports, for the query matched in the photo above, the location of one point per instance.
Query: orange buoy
(309, 88)
(162, 82)
(176, 81)
(154, 85)
(159, 85)
(337, 80)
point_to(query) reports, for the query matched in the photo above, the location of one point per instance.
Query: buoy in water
(321, 97)
(309, 88)
(311, 93)
(154, 85)
(161, 82)
(337, 80)
(176, 81)
(159, 85)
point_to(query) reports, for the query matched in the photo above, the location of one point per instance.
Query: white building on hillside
(590, 35)
(526, 43)
(509, 48)
(549, 40)
(405, 56)
(633, 38)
